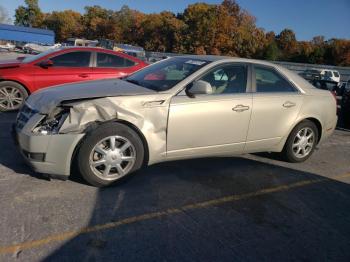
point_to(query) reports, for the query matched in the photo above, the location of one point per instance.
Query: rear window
(268, 80)
(336, 74)
(109, 60)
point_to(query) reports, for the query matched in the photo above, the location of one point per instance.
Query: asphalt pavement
(249, 208)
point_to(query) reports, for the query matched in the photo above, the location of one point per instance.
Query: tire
(99, 164)
(292, 151)
(12, 96)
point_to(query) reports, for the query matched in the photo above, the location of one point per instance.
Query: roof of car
(214, 58)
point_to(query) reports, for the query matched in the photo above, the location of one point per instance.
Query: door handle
(83, 75)
(289, 104)
(240, 108)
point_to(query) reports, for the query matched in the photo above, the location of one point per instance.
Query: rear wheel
(301, 142)
(12, 96)
(110, 153)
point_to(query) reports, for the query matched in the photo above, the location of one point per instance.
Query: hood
(46, 100)
(9, 64)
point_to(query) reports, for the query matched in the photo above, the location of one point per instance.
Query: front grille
(24, 115)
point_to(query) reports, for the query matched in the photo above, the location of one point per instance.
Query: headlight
(52, 123)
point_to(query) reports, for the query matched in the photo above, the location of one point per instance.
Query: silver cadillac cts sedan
(180, 108)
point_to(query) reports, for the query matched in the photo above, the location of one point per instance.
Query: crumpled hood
(46, 100)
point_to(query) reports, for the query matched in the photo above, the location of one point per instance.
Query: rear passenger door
(276, 104)
(66, 68)
(112, 66)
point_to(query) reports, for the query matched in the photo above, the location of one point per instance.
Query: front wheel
(301, 142)
(110, 153)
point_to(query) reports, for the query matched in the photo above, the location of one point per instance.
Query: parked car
(330, 75)
(345, 106)
(325, 85)
(19, 78)
(179, 108)
(340, 88)
(32, 48)
(311, 74)
(7, 47)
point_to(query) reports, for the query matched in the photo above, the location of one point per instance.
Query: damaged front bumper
(48, 154)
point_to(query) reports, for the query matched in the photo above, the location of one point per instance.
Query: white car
(330, 75)
(180, 108)
(7, 46)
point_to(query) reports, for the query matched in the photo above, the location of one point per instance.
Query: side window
(109, 60)
(268, 80)
(73, 59)
(227, 79)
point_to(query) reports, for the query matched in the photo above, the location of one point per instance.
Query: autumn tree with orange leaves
(218, 29)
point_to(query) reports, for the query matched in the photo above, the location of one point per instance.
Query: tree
(337, 52)
(4, 16)
(162, 32)
(272, 52)
(98, 23)
(65, 24)
(287, 43)
(29, 15)
(200, 27)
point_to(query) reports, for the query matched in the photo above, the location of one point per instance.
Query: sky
(307, 18)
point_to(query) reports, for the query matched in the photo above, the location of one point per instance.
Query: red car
(20, 78)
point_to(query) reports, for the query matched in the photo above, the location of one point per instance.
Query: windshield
(166, 74)
(32, 58)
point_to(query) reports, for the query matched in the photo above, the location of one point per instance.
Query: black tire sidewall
(288, 150)
(93, 137)
(19, 87)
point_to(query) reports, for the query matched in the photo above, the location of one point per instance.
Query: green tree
(29, 15)
(272, 52)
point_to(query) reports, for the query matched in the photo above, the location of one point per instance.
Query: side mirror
(46, 64)
(200, 88)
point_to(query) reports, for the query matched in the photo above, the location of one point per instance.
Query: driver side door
(212, 124)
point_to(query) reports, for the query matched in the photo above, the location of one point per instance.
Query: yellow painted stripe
(70, 234)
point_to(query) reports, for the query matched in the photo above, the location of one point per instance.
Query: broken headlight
(51, 124)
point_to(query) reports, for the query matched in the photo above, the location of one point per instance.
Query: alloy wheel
(113, 157)
(11, 98)
(303, 142)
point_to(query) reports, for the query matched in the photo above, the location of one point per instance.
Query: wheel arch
(93, 125)
(17, 82)
(140, 134)
(314, 120)
(318, 125)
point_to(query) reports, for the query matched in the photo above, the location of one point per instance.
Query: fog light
(39, 157)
